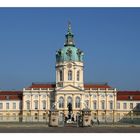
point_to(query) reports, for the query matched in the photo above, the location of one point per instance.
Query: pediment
(70, 88)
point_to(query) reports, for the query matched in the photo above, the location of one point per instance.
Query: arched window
(87, 103)
(69, 75)
(44, 104)
(78, 75)
(28, 105)
(36, 104)
(61, 75)
(61, 102)
(95, 105)
(77, 103)
(69, 100)
(111, 104)
(103, 104)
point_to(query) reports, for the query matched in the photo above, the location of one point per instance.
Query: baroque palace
(34, 103)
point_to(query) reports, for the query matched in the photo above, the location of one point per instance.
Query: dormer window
(131, 97)
(7, 98)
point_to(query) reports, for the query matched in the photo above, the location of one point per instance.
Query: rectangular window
(103, 116)
(1, 116)
(131, 105)
(111, 105)
(14, 116)
(118, 105)
(7, 105)
(44, 104)
(118, 116)
(20, 105)
(1, 105)
(36, 104)
(95, 116)
(94, 105)
(110, 115)
(14, 105)
(103, 105)
(44, 116)
(36, 116)
(124, 106)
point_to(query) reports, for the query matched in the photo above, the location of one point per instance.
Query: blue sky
(109, 37)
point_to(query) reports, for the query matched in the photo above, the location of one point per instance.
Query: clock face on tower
(69, 65)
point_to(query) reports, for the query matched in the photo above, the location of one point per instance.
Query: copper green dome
(69, 52)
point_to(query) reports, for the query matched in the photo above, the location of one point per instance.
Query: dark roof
(41, 85)
(102, 86)
(128, 95)
(12, 95)
(53, 85)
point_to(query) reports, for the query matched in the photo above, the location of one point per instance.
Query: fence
(124, 120)
(116, 119)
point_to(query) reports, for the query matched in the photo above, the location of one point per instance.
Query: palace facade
(34, 103)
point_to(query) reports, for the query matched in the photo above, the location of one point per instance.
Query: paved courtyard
(42, 128)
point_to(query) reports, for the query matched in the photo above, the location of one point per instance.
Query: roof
(128, 95)
(53, 85)
(11, 95)
(11, 92)
(41, 85)
(96, 86)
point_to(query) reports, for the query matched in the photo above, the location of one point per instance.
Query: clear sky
(109, 37)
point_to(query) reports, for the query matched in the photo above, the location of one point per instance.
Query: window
(124, 106)
(77, 103)
(131, 105)
(44, 116)
(14, 116)
(131, 97)
(111, 96)
(69, 75)
(7, 105)
(61, 75)
(14, 105)
(69, 100)
(111, 104)
(36, 104)
(118, 116)
(44, 104)
(103, 104)
(20, 105)
(95, 105)
(1, 116)
(110, 115)
(78, 75)
(7, 97)
(103, 116)
(95, 116)
(36, 96)
(61, 102)
(44, 96)
(1, 105)
(87, 103)
(118, 105)
(28, 105)
(36, 116)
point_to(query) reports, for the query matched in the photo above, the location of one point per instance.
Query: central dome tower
(69, 63)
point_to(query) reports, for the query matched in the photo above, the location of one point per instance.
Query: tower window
(61, 75)
(69, 75)
(78, 75)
